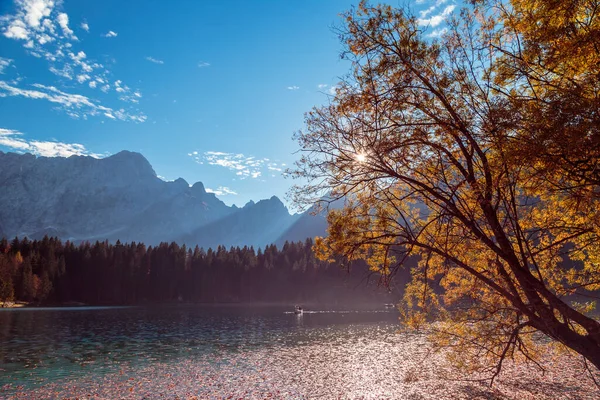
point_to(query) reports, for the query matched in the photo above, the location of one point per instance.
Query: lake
(39, 346)
(242, 352)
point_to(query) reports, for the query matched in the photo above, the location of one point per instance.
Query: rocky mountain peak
(130, 163)
(120, 198)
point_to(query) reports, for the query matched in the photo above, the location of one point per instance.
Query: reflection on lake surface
(218, 352)
(38, 346)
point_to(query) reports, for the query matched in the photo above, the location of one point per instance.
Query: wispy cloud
(82, 78)
(110, 34)
(203, 64)
(221, 191)
(4, 63)
(274, 167)
(154, 60)
(16, 141)
(436, 19)
(293, 87)
(43, 28)
(241, 165)
(63, 21)
(322, 85)
(75, 105)
(426, 12)
(436, 33)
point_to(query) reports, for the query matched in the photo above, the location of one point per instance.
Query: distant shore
(305, 305)
(24, 304)
(13, 304)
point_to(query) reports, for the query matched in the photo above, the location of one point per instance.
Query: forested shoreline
(52, 272)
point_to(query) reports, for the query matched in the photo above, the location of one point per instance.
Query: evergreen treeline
(49, 271)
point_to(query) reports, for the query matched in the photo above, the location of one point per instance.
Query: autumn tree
(423, 141)
(549, 70)
(6, 282)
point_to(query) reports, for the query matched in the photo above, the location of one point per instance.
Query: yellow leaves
(322, 252)
(357, 233)
(561, 33)
(18, 258)
(585, 307)
(414, 319)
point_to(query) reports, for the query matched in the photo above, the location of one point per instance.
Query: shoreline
(14, 304)
(306, 305)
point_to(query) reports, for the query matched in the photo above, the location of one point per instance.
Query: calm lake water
(42, 346)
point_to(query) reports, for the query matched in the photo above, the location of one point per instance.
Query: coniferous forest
(50, 271)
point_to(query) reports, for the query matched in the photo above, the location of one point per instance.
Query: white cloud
(36, 10)
(17, 30)
(68, 102)
(43, 28)
(322, 85)
(79, 56)
(437, 19)
(65, 72)
(436, 33)
(10, 138)
(221, 191)
(293, 87)
(333, 90)
(28, 18)
(85, 26)
(15, 140)
(4, 62)
(426, 12)
(93, 84)
(203, 64)
(154, 60)
(273, 167)
(110, 34)
(63, 21)
(243, 166)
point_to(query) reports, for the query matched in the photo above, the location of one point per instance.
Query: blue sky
(209, 91)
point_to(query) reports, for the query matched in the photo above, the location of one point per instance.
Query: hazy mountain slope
(309, 224)
(83, 198)
(254, 225)
(120, 197)
(306, 225)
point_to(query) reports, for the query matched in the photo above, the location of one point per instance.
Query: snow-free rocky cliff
(120, 197)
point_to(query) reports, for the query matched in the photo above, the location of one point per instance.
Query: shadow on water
(41, 345)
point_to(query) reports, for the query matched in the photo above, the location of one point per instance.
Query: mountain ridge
(120, 197)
